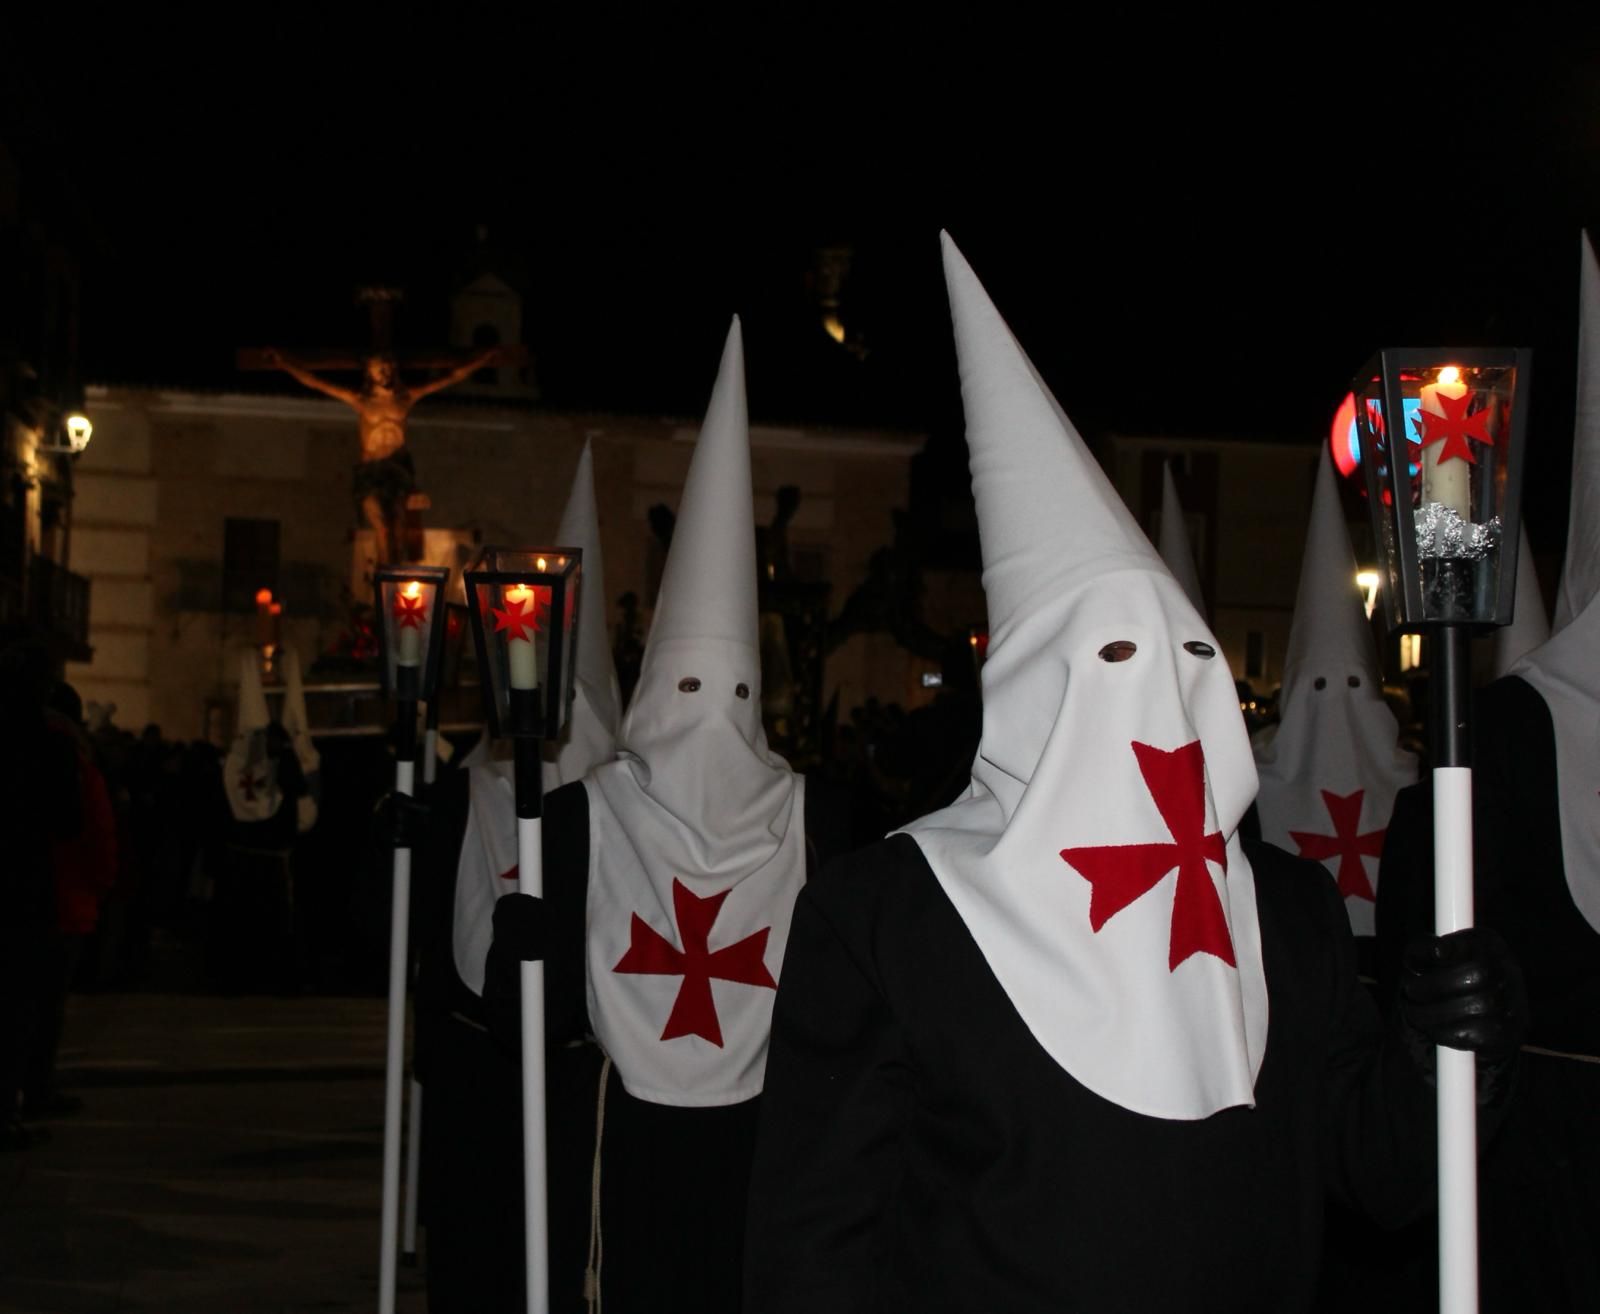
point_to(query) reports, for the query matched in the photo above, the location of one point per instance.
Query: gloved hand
(521, 935)
(1464, 991)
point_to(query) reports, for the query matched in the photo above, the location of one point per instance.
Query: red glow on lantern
(263, 597)
(1344, 459)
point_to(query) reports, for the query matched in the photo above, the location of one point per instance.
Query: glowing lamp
(79, 431)
(1445, 511)
(524, 614)
(411, 614)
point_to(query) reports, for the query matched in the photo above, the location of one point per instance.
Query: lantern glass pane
(1440, 431)
(524, 615)
(1458, 423)
(410, 625)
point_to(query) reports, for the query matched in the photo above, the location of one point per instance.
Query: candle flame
(540, 563)
(412, 589)
(517, 593)
(1450, 374)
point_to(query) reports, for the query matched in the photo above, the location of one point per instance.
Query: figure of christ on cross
(384, 479)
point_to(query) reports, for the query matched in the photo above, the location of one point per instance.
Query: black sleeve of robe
(566, 895)
(827, 1151)
(565, 837)
(1379, 1141)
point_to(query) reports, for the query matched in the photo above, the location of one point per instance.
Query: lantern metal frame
(542, 715)
(1389, 482)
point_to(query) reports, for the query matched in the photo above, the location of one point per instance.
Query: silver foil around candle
(1443, 534)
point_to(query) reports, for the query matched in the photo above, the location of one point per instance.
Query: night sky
(1207, 241)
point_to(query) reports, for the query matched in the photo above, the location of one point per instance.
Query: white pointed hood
(1095, 856)
(1332, 765)
(1580, 572)
(297, 722)
(249, 775)
(487, 867)
(1174, 542)
(590, 737)
(1530, 622)
(698, 835)
(1564, 668)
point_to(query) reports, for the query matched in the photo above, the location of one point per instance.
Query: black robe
(673, 1180)
(1539, 1211)
(920, 1151)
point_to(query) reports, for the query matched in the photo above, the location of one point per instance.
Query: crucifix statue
(385, 484)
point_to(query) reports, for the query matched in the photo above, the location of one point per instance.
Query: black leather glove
(1464, 991)
(408, 820)
(521, 935)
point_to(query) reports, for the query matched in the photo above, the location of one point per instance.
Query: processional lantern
(411, 619)
(1441, 433)
(524, 608)
(411, 627)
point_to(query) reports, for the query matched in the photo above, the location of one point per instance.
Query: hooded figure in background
(1332, 765)
(472, 1195)
(670, 876)
(252, 943)
(1536, 876)
(1174, 547)
(1070, 1043)
(1530, 625)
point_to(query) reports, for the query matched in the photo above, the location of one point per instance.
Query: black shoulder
(1512, 719)
(1296, 893)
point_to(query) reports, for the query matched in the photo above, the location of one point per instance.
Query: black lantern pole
(524, 628)
(410, 624)
(1441, 434)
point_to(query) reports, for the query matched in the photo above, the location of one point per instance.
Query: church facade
(190, 505)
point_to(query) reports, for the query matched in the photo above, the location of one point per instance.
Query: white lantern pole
(394, 1060)
(1456, 1075)
(530, 880)
(408, 1235)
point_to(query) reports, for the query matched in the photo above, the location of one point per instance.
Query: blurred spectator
(39, 807)
(84, 867)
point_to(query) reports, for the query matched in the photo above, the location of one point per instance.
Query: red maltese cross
(248, 782)
(1121, 873)
(694, 1012)
(520, 616)
(1345, 844)
(1455, 426)
(409, 611)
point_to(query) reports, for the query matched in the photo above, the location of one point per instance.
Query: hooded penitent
(1174, 542)
(1565, 669)
(698, 835)
(1332, 765)
(1530, 624)
(1095, 856)
(249, 775)
(298, 725)
(488, 863)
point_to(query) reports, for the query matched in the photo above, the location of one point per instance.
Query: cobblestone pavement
(228, 1158)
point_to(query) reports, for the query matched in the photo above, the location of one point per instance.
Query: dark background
(1194, 230)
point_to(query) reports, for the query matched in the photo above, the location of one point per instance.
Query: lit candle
(521, 603)
(1447, 482)
(409, 615)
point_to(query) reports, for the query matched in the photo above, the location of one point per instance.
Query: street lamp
(1440, 433)
(524, 607)
(411, 611)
